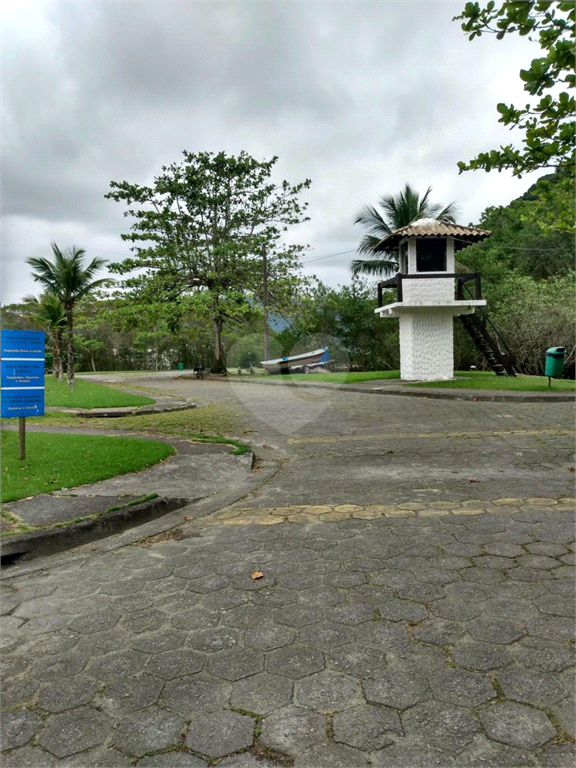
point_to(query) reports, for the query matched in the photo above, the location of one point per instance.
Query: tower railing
(460, 279)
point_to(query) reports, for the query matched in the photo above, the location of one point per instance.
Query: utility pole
(265, 304)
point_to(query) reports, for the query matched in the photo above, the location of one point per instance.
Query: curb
(28, 546)
(265, 464)
(111, 413)
(474, 395)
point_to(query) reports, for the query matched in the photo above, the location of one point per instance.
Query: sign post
(22, 438)
(22, 379)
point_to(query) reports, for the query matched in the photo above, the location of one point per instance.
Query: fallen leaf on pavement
(257, 575)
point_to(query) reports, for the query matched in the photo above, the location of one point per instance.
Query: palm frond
(47, 310)
(399, 211)
(89, 287)
(449, 213)
(381, 267)
(368, 244)
(66, 277)
(370, 218)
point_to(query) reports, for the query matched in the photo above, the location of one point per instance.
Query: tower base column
(426, 345)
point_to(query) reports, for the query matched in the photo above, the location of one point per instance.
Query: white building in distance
(430, 294)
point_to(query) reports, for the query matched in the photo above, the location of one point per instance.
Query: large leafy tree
(522, 241)
(548, 124)
(48, 311)
(200, 235)
(398, 211)
(69, 280)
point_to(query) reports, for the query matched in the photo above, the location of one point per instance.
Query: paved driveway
(415, 606)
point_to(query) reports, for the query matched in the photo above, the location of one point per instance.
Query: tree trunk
(58, 355)
(265, 305)
(218, 365)
(70, 323)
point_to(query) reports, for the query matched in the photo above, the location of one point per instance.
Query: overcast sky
(360, 97)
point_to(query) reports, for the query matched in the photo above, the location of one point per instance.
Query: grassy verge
(489, 380)
(203, 425)
(54, 462)
(89, 394)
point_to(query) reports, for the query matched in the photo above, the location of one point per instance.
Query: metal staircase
(500, 362)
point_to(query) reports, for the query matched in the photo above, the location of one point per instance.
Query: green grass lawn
(489, 380)
(88, 394)
(54, 462)
(344, 377)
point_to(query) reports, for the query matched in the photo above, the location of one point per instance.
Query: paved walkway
(400, 593)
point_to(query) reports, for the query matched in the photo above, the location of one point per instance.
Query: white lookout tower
(430, 294)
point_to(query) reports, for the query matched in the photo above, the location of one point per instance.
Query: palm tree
(49, 312)
(68, 280)
(399, 211)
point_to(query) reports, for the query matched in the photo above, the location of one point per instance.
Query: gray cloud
(359, 96)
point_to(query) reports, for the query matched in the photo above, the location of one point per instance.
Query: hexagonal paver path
(438, 636)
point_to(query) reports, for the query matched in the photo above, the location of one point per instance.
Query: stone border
(111, 413)
(47, 541)
(338, 512)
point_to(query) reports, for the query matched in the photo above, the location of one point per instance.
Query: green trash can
(555, 362)
(180, 366)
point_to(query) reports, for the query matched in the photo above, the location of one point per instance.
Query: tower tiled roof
(433, 228)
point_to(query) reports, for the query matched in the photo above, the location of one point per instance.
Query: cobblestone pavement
(435, 631)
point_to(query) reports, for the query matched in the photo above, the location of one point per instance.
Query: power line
(329, 256)
(117, 253)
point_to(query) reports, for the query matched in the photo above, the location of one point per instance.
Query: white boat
(298, 363)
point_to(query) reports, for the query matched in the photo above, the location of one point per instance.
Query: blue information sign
(27, 345)
(27, 374)
(22, 373)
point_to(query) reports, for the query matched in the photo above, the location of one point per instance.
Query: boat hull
(306, 360)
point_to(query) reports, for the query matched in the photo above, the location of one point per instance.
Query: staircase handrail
(510, 367)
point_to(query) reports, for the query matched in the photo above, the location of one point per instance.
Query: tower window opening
(431, 255)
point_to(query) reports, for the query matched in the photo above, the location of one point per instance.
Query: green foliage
(535, 315)
(399, 211)
(548, 125)
(527, 275)
(345, 320)
(519, 240)
(113, 335)
(246, 346)
(199, 234)
(553, 205)
(54, 462)
(48, 312)
(248, 360)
